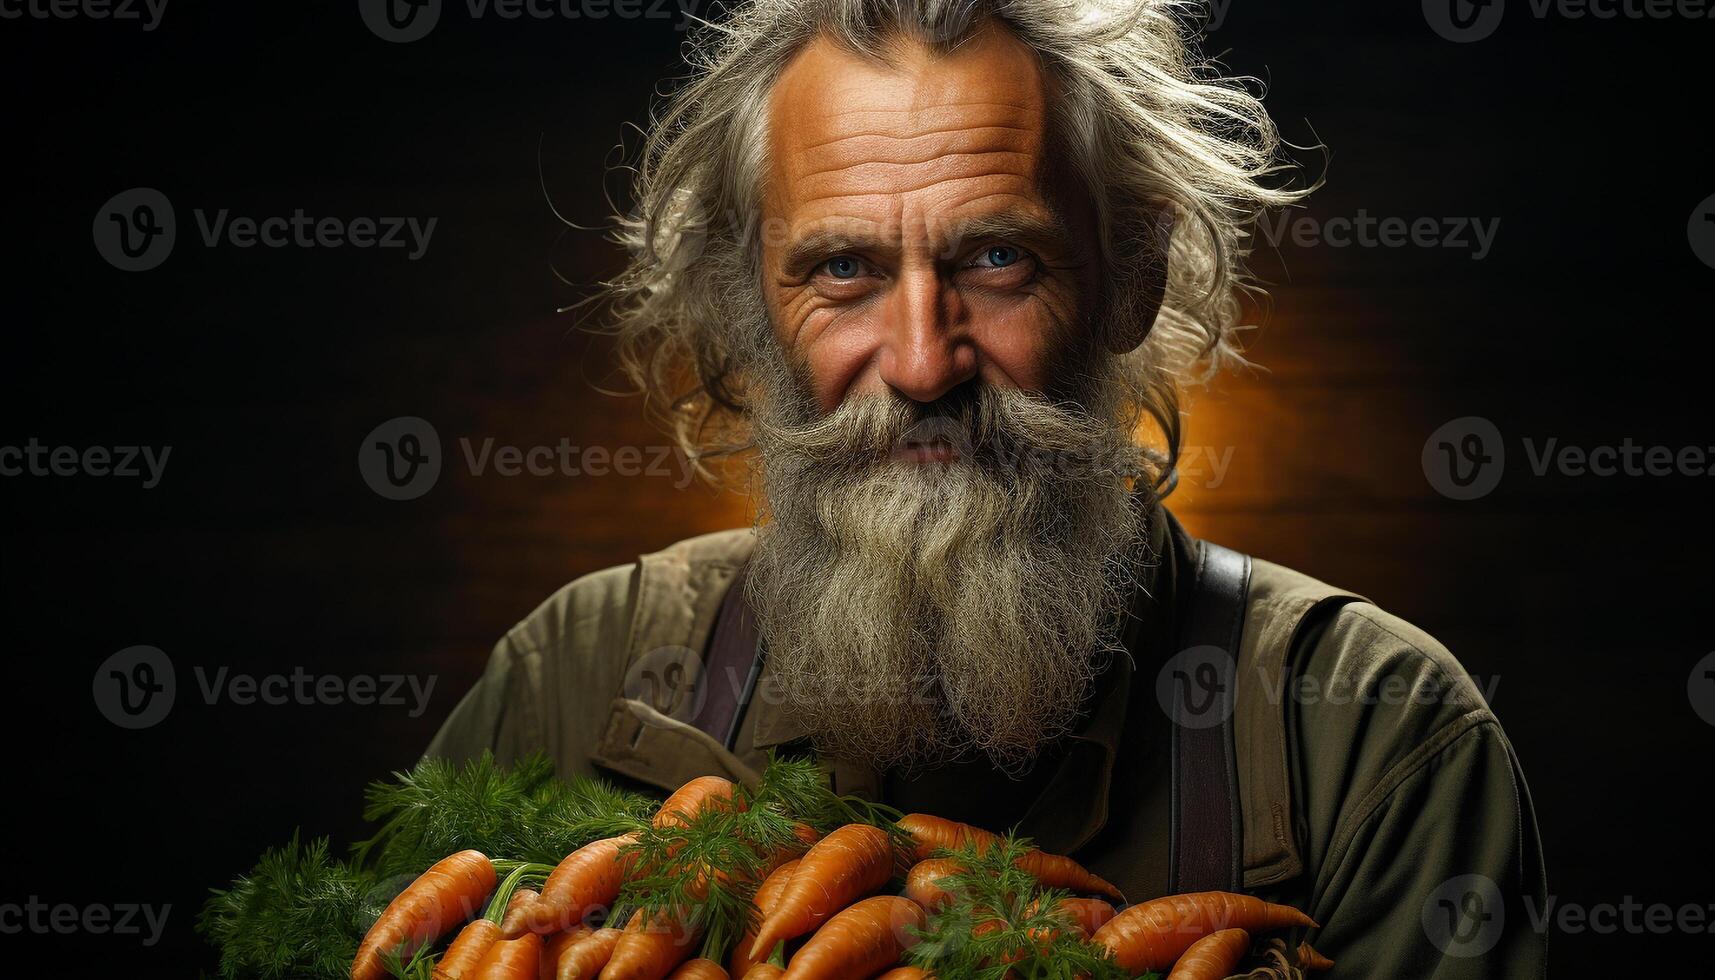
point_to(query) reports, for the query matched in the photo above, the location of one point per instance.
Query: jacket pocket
(644, 744)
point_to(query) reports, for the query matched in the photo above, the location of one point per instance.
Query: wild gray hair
(1153, 131)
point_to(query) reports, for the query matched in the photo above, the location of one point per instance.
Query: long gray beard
(915, 612)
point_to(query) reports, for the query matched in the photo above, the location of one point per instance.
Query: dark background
(1582, 600)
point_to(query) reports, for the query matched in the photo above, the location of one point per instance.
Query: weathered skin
(916, 172)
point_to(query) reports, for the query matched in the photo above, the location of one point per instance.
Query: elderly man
(942, 268)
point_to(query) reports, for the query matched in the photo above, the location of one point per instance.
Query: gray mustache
(992, 426)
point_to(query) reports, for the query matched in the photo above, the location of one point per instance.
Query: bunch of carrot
(726, 882)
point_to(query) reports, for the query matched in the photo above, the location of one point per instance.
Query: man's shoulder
(1376, 698)
(552, 677)
(1351, 698)
(1341, 643)
(681, 583)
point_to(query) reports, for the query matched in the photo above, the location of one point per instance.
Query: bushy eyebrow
(1032, 230)
(1024, 228)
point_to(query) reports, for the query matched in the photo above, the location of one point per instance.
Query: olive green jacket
(1378, 790)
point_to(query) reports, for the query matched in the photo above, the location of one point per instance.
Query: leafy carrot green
(299, 912)
(997, 923)
(704, 867)
(521, 811)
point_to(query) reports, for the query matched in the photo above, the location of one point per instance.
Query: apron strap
(731, 668)
(1206, 846)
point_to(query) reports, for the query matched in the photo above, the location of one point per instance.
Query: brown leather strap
(1206, 846)
(731, 668)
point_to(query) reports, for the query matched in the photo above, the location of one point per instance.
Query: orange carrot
(904, 973)
(698, 969)
(1213, 957)
(687, 800)
(1151, 935)
(1309, 959)
(846, 865)
(587, 880)
(923, 886)
(859, 942)
(766, 897)
(587, 957)
(511, 959)
(764, 971)
(1057, 871)
(448, 893)
(931, 833)
(512, 925)
(474, 941)
(1089, 914)
(808, 837)
(649, 951)
(556, 946)
(1086, 915)
(467, 950)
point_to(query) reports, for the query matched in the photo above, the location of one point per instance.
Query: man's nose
(926, 350)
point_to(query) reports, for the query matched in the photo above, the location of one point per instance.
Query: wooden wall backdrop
(1582, 600)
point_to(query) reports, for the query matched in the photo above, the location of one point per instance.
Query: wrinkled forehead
(844, 127)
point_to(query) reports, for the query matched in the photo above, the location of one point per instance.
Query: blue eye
(844, 267)
(1001, 256)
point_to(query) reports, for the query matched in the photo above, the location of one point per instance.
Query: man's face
(911, 242)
